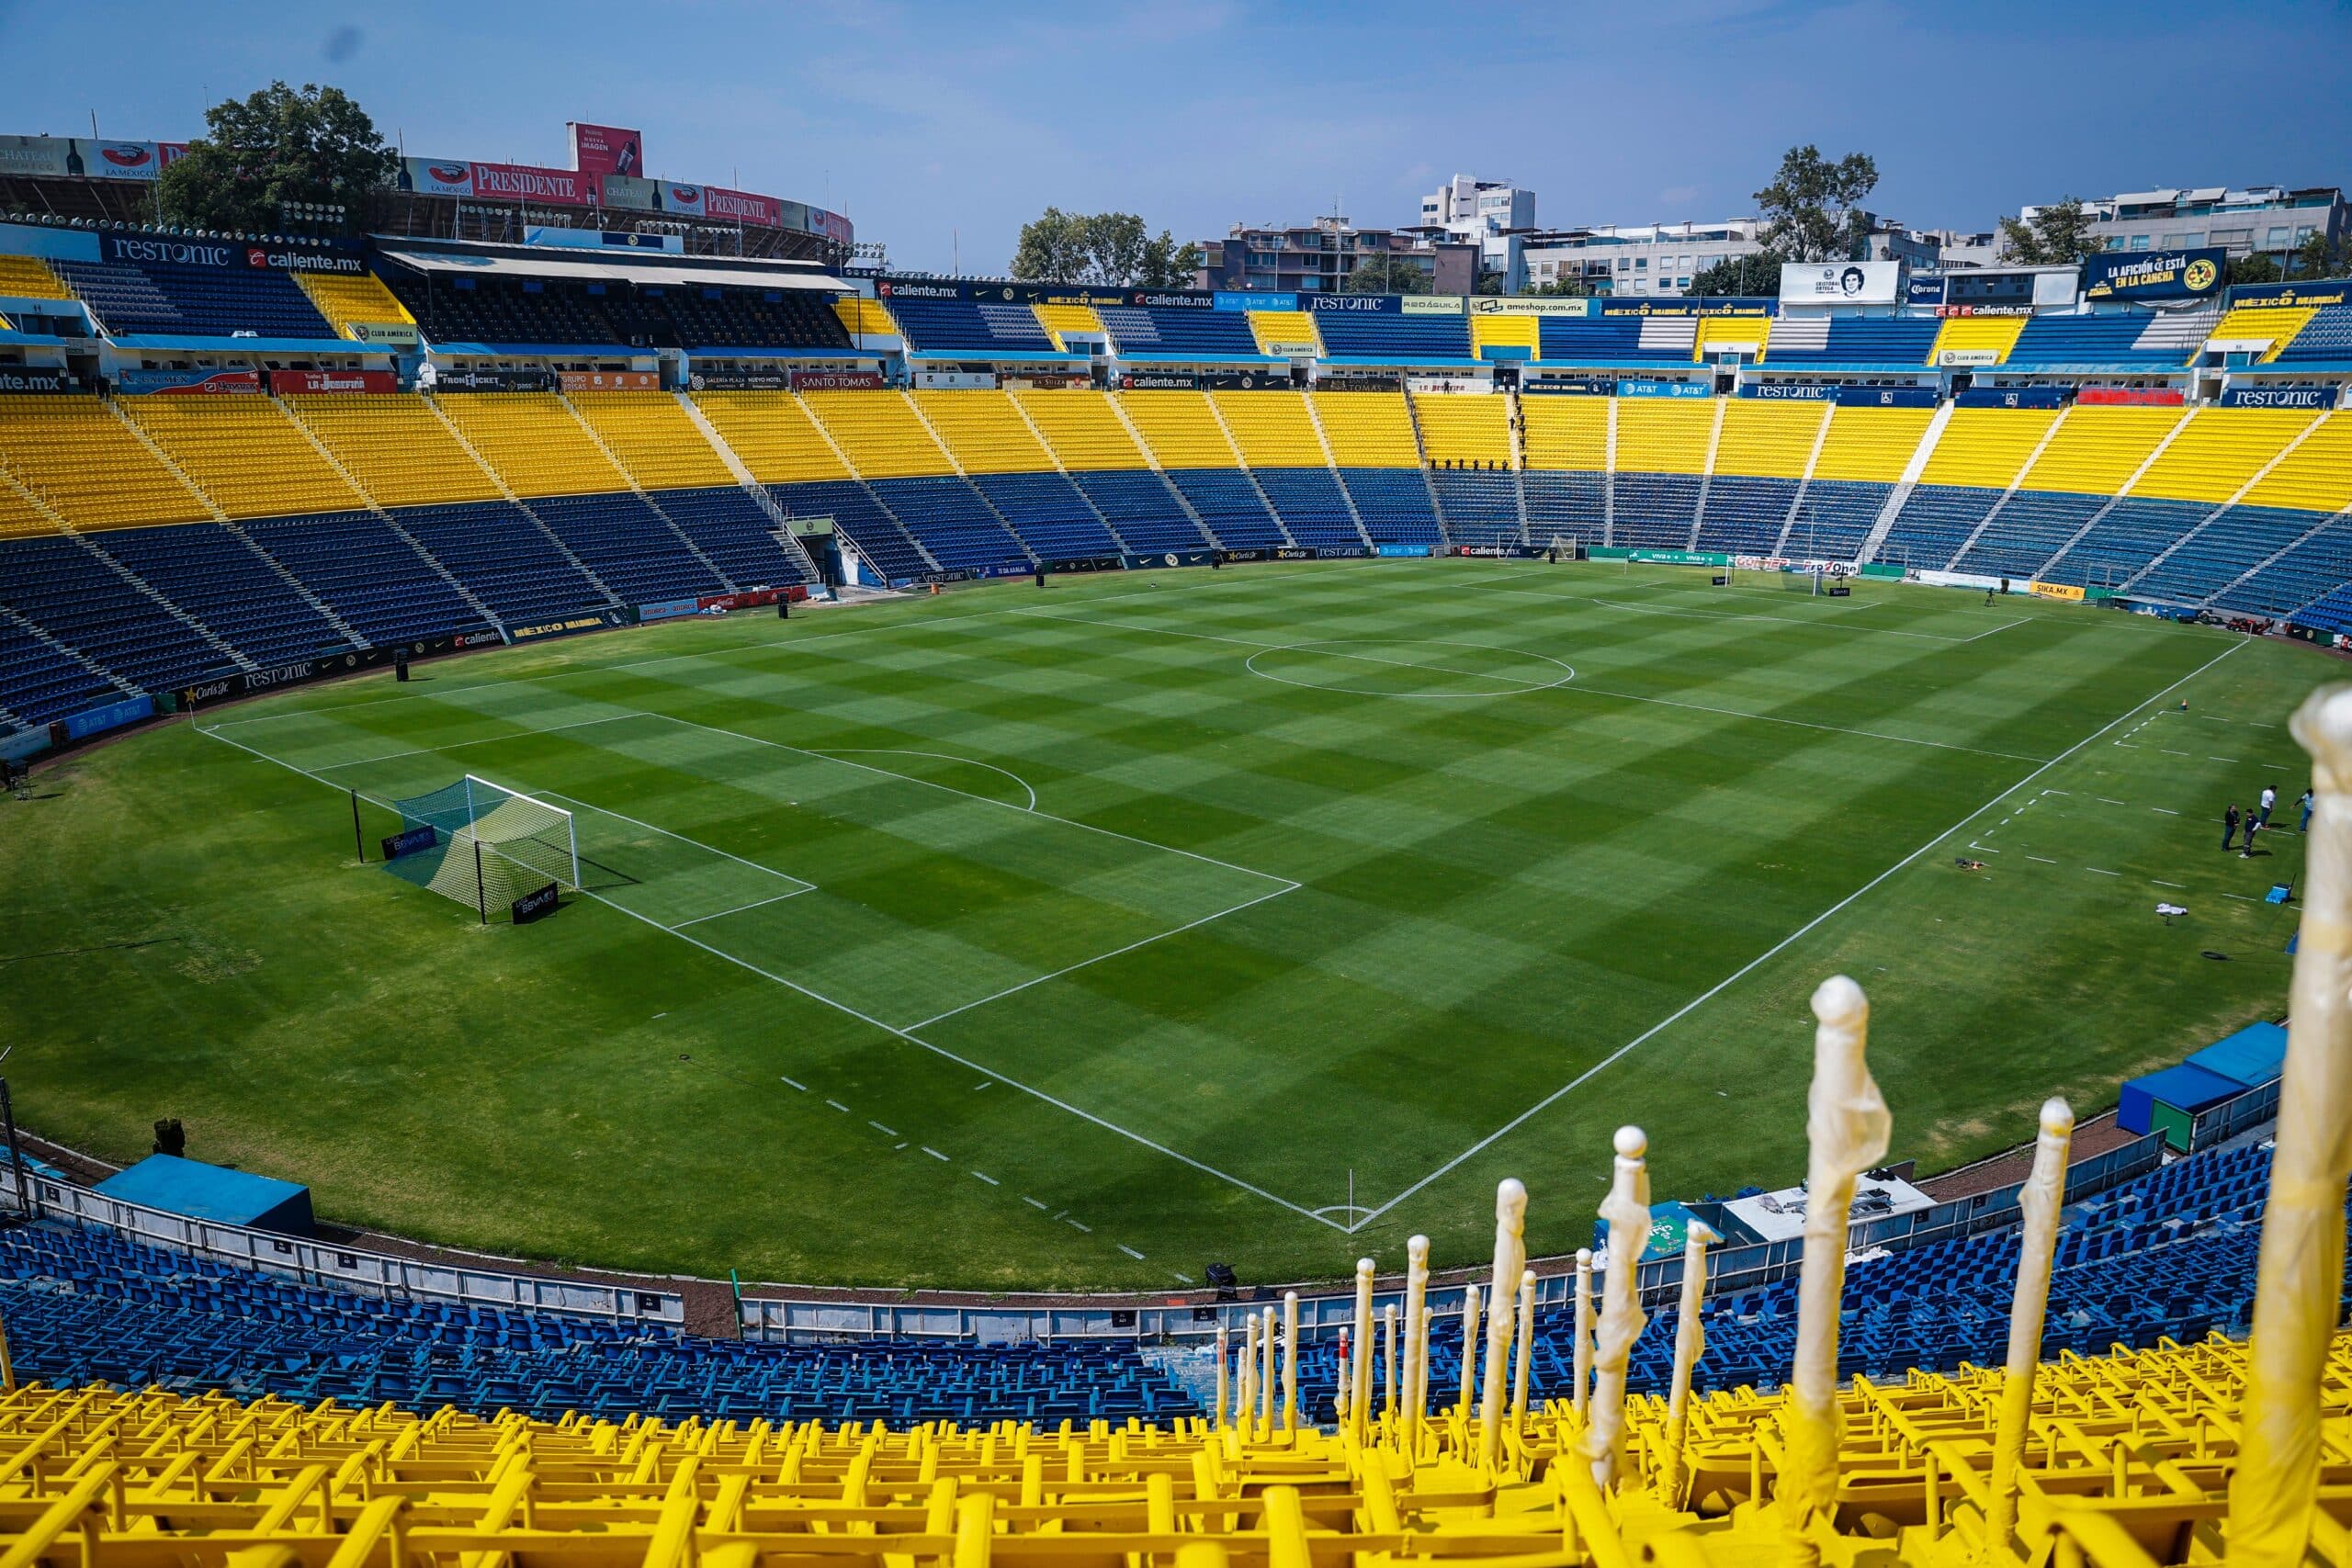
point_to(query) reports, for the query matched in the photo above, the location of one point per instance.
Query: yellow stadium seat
(1871, 444)
(653, 439)
(1664, 435)
(345, 300)
(860, 314)
(1975, 336)
(984, 430)
(774, 435)
(88, 467)
(1272, 429)
(1986, 448)
(1060, 319)
(2314, 477)
(1718, 335)
(19, 517)
(1764, 439)
(2272, 325)
(533, 442)
(2218, 451)
(243, 452)
(1367, 430)
(879, 433)
(1506, 332)
(1566, 434)
(396, 447)
(1285, 332)
(1179, 428)
(1082, 427)
(2096, 448)
(1464, 427)
(29, 278)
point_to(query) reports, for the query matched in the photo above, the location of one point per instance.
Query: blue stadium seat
(1171, 333)
(736, 532)
(1480, 506)
(178, 299)
(1049, 513)
(1311, 506)
(367, 573)
(504, 558)
(229, 585)
(1143, 508)
(951, 519)
(1395, 505)
(1392, 340)
(858, 519)
(629, 546)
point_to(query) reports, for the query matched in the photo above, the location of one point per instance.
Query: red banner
(607, 150)
(522, 182)
(609, 380)
(741, 206)
(831, 225)
(314, 381)
(2133, 397)
(835, 380)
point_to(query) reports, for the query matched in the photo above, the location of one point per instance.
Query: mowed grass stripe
(1496, 889)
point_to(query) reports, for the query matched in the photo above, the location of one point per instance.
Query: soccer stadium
(1339, 896)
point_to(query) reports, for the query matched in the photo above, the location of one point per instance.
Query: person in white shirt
(2269, 799)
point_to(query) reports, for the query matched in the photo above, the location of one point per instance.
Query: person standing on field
(2269, 799)
(2229, 825)
(2305, 826)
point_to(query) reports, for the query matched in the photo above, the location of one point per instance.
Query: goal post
(497, 843)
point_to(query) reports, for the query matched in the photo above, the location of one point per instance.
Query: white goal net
(500, 843)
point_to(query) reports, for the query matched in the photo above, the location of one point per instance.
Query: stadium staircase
(1091, 441)
(1282, 533)
(1374, 449)
(1906, 482)
(1332, 462)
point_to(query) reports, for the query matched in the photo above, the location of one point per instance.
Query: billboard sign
(2314, 399)
(1665, 389)
(488, 380)
(1791, 391)
(2133, 397)
(830, 225)
(21, 379)
(676, 195)
(35, 157)
(2155, 275)
(1244, 300)
(608, 380)
(1841, 283)
(606, 149)
(1430, 305)
(2327, 291)
(1378, 304)
(118, 160)
(741, 206)
(320, 381)
(382, 334)
(627, 191)
(1496, 305)
(189, 383)
(1967, 358)
(2013, 398)
(437, 176)
(525, 182)
(1886, 397)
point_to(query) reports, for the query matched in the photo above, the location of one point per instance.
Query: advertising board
(1841, 283)
(2155, 275)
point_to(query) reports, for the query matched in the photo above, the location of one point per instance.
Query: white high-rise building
(1485, 213)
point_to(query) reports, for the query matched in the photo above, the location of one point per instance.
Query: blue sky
(940, 128)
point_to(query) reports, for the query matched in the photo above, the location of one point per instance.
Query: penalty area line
(1775, 950)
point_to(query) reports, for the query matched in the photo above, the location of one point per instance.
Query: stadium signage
(608, 380)
(1951, 312)
(1847, 283)
(668, 609)
(2013, 398)
(1167, 558)
(16, 381)
(424, 836)
(179, 252)
(1242, 300)
(384, 334)
(2279, 398)
(1159, 381)
(740, 380)
(833, 380)
(1704, 305)
(1230, 557)
(1245, 380)
(2161, 274)
(534, 905)
(606, 149)
(491, 380)
(2133, 397)
(438, 176)
(1281, 350)
(1399, 552)
(1886, 397)
(1967, 358)
(898, 289)
(1791, 391)
(1086, 563)
(262, 258)
(370, 381)
(1491, 305)
(112, 715)
(199, 383)
(1358, 381)
(638, 195)
(525, 182)
(2337, 291)
(594, 620)
(1665, 389)
(1383, 304)
(1294, 552)
(1159, 299)
(2066, 591)
(1430, 305)
(1571, 386)
(227, 688)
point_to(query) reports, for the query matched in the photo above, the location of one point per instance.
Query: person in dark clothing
(2245, 845)
(2305, 826)
(2228, 825)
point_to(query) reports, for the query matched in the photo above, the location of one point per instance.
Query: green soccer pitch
(1077, 938)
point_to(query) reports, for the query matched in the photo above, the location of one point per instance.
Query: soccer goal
(500, 843)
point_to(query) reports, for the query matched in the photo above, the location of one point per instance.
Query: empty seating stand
(857, 516)
(630, 546)
(67, 590)
(505, 558)
(371, 576)
(216, 576)
(179, 299)
(737, 534)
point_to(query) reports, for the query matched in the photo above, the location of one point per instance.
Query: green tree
(281, 144)
(1567, 286)
(1381, 273)
(1755, 275)
(1489, 283)
(1110, 249)
(2060, 235)
(1809, 209)
(2254, 268)
(2321, 257)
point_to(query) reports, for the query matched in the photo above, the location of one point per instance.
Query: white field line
(1572, 686)
(1741, 616)
(907, 1035)
(805, 886)
(1778, 947)
(754, 904)
(2005, 625)
(459, 745)
(897, 751)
